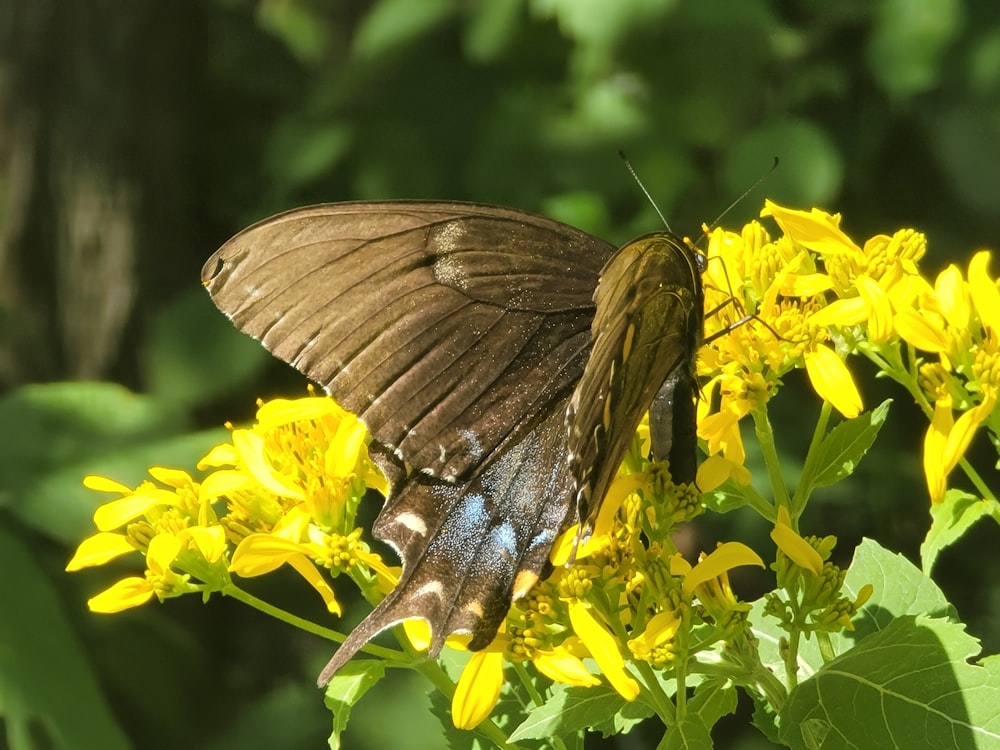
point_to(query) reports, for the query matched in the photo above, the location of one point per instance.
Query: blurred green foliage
(218, 113)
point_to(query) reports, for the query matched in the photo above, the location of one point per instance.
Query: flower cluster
(284, 491)
(813, 296)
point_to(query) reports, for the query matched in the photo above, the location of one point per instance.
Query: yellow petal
(162, 551)
(223, 482)
(127, 593)
(99, 549)
(879, 310)
(964, 430)
(660, 629)
(418, 633)
(565, 546)
(832, 381)
(250, 448)
(103, 484)
(210, 541)
(983, 289)
(842, 312)
(175, 478)
(478, 689)
(223, 454)
(806, 284)
(119, 512)
(347, 447)
(678, 565)
(799, 551)
(934, 445)
(815, 229)
(713, 472)
(281, 411)
(951, 293)
(916, 330)
(724, 558)
(561, 666)
(258, 554)
(604, 648)
(308, 570)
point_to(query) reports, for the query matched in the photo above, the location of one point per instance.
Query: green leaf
(843, 448)
(713, 699)
(900, 588)
(691, 733)
(907, 686)
(730, 495)
(950, 519)
(346, 688)
(47, 685)
(570, 710)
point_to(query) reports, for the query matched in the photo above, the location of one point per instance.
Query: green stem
(537, 698)
(825, 646)
(661, 702)
(792, 657)
(757, 501)
(765, 437)
(309, 626)
(805, 484)
(977, 481)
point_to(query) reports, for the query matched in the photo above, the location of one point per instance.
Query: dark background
(136, 137)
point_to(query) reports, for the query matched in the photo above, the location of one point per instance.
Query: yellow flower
(655, 642)
(285, 491)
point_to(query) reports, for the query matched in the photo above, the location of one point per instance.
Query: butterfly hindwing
(481, 310)
(469, 548)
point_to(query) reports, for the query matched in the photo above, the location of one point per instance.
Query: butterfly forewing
(646, 332)
(482, 311)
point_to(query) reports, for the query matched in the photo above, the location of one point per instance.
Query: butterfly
(501, 361)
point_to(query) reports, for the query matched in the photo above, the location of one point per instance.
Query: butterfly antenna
(744, 194)
(631, 171)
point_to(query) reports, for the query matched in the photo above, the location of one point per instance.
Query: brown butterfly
(501, 361)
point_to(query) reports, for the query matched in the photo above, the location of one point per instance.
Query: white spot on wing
(412, 522)
(431, 587)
